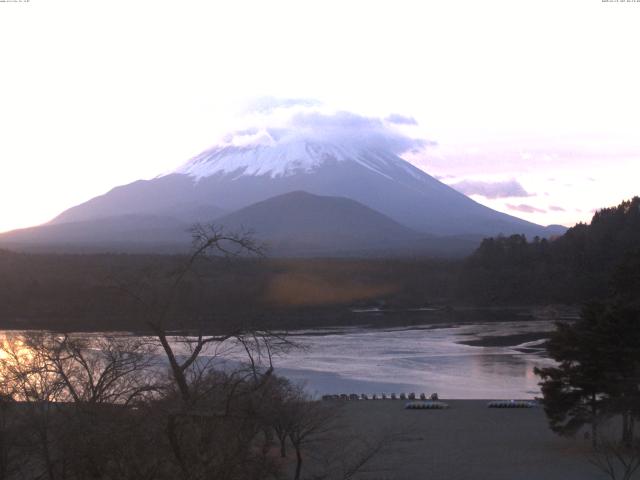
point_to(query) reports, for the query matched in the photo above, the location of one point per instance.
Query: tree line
(572, 269)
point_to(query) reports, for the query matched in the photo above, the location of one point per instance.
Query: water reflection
(411, 359)
(419, 360)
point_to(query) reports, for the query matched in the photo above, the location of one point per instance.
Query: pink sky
(535, 97)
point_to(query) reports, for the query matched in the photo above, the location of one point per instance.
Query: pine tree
(598, 372)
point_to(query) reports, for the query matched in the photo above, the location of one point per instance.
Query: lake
(420, 359)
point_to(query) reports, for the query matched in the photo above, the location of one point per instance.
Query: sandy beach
(466, 441)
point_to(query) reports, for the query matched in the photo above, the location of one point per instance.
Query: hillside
(302, 223)
(575, 267)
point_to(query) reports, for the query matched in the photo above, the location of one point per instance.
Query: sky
(529, 107)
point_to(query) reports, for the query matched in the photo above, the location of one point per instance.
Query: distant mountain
(233, 177)
(302, 223)
(292, 224)
(159, 198)
(344, 176)
(123, 233)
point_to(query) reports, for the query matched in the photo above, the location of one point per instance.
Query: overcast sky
(534, 106)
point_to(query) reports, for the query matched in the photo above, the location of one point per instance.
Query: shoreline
(514, 340)
(323, 318)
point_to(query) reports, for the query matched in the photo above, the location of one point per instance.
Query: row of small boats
(511, 404)
(426, 405)
(382, 396)
(423, 402)
(430, 404)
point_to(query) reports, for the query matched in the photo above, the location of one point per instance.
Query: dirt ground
(466, 441)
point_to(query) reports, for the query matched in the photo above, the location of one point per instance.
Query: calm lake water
(419, 359)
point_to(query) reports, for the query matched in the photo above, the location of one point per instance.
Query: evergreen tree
(598, 372)
(573, 268)
(575, 391)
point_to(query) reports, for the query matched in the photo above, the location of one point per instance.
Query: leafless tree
(10, 457)
(213, 424)
(157, 297)
(344, 456)
(619, 460)
(321, 440)
(27, 377)
(71, 388)
(309, 421)
(280, 396)
(95, 370)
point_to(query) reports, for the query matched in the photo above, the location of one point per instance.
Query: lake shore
(297, 319)
(466, 441)
(507, 340)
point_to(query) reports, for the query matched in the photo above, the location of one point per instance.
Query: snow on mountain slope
(333, 154)
(232, 177)
(286, 159)
(300, 141)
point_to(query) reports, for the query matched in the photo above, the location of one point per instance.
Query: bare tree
(323, 442)
(213, 424)
(10, 455)
(96, 370)
(27, 377)
(158, 299)
(70, 388)
(280, 396)
(309, 421)
(344, 456)
(619, 460)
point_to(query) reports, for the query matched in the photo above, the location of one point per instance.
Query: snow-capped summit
(290, 158)
(325, 155)
(304, 140)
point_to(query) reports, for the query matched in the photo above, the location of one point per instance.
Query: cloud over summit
(273, 121)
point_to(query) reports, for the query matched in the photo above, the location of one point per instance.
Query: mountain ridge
(223, 180)
(376, 178)
(300, 222)
(295, 224)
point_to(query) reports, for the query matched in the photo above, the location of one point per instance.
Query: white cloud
(556, 208)
(401, 119)
(278, 121)
(500, 189)
(525, 208)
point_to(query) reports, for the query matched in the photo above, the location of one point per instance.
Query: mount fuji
(396, 196)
